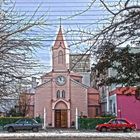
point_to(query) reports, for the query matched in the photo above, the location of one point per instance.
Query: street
(69, 135)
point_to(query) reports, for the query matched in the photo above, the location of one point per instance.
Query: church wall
(91, 111)
(78, 100)
(43, 99)
(77, 78)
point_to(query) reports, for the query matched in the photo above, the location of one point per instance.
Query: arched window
(58, 94)
(60, 57)
(63, 94)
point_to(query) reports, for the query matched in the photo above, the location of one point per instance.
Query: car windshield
(31, 121)
(118, 121)
(112, 122)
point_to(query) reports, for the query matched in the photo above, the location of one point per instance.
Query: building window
(60, 57)
(58, 94)
(110, 106)
(114, 108)
(63, 94)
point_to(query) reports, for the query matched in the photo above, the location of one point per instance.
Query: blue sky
(64, 9)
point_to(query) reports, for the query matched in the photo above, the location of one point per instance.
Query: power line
(63, 2)
(56, 11)
(66, 6)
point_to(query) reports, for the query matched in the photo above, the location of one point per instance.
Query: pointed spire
(59, 39)
(60, 35)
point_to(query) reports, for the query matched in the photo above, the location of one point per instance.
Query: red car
(116, 124)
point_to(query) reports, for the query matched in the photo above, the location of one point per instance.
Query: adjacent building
(81, 63)
(104, 90)
(124, 104)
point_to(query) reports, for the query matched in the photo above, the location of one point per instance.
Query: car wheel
(128, 130)
(11, 129)
(35, 129)
(103, 129)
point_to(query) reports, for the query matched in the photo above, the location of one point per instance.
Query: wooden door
(60, 118)
(57, 118)
(63, 118)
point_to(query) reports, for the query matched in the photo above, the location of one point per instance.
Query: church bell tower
(60, 53)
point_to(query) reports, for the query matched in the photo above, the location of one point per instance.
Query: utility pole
(107, 92)
(107, 99)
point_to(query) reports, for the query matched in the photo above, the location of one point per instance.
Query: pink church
(62, 91)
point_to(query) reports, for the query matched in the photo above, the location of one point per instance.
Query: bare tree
(26, 106)
(121, 28)
(124, 23)
(17, 46)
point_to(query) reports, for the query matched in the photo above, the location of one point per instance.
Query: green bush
(90, 123)
(39, 119)
(7, 120)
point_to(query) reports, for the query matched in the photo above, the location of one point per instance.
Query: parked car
(115, 125)
(23, 124)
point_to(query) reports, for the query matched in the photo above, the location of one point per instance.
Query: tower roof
(59, 40)
(124, 91)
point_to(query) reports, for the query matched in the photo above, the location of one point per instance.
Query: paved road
(69, 134)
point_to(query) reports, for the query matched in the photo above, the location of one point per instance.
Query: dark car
(115, 125)
(23, 124)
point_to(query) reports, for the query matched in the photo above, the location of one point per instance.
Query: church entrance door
(61, 118)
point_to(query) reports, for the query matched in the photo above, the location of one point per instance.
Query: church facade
(62, 91)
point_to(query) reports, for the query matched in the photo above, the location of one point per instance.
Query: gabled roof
(78, 83)
(124, 91)
(43, 84)
(92, 90)
(48, 74)
(76, 74)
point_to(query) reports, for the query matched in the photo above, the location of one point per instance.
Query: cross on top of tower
(60, 22)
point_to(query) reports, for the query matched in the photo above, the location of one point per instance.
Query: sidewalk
(68, 134)
(66, 130)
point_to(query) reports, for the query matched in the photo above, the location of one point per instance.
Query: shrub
(90, 123)
(39, 119)
(7, 120)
